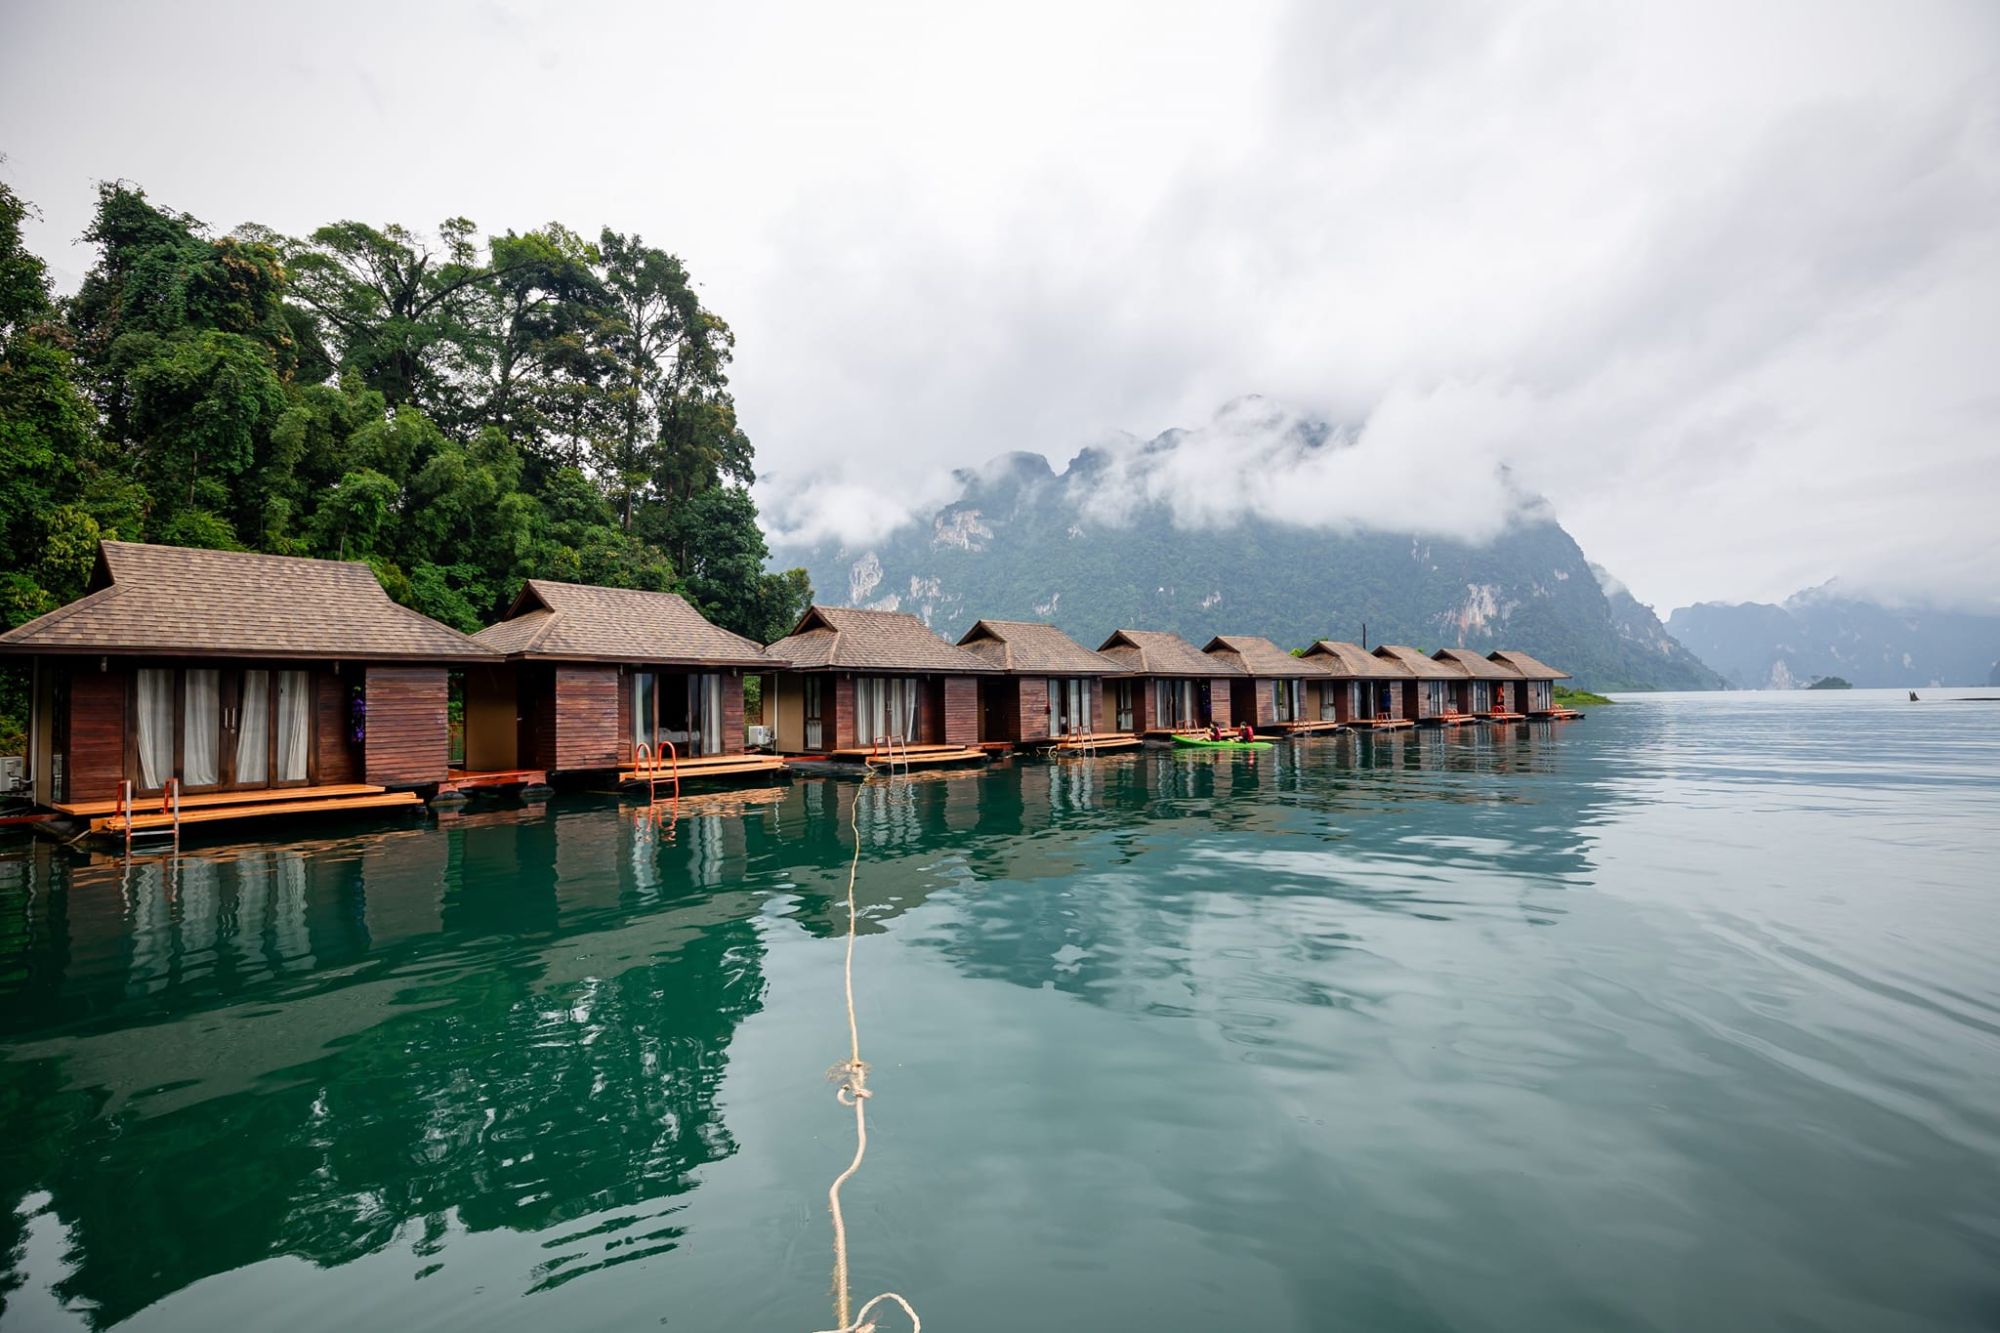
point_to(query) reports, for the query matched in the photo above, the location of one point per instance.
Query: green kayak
(1203, 743)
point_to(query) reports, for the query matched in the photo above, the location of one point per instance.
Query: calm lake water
(1685, 1016)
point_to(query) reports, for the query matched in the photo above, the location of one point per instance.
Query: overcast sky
(1722, 281)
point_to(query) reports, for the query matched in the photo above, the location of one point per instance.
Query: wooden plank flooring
(202, 800)
(115, 824)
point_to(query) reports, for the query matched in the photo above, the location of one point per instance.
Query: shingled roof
(1256, 656)
(1151, 652)
(1528, 666)
(1351, 660)
(1030, 648)
(178, 601)
(582, 622)
(1475, 666)
(843, 638)
(1424, 668)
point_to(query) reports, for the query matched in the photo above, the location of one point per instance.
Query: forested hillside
(462, 413)
(1021, 541)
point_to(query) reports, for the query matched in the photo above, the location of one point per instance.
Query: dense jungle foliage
(461, 413)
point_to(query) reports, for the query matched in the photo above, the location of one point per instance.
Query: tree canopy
(461, 412)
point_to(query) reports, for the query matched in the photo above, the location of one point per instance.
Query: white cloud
(1721, 280)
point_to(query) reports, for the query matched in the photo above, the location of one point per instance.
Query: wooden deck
(1306, 728)
(203, 800)
(1383, 723)
(919, 756)
(1093, 743)
(1168, 733)
(726, 767)
(469, 780)
(155, 822)
(1504, 719)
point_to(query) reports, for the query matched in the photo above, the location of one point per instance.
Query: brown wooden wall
(625, 721)
(1220, 709)
(587, 714)
(837, 713)
(961, 710)
(96, 763)
(333, 743)
(408, 739)
(732, 712)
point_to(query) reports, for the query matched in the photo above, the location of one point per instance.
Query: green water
(1683, 1017)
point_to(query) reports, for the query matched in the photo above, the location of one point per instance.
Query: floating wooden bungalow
(592, 679)
(858, 683)
(1364, 689)
(244, 684)
(1275, 691)
(1537, 684)
(1166, 684)
(1048, 689)
(1487, 688)
(1428, 697)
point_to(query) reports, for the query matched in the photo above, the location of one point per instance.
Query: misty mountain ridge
(1827, 631)
(1178, 533)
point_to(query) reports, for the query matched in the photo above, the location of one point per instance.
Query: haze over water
(1684, 1016)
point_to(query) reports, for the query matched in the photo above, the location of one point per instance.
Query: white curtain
(156, 727)
(1055, 707)
(885, 707)
(253, 729)
(643, 689)
(201, 728)
(705, 708)
(294, 724)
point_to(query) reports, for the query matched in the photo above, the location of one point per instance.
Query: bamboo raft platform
(705, 767)
(1505, 719)
(201, 800)
(1382, 723)
(1308, 728)
(1168, 733)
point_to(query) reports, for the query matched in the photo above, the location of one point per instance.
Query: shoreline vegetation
(1580, 698)
(461, 410)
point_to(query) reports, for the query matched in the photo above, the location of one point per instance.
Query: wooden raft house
(873, 687)
(1487, 688)
(1428, 695)
(1367, 691)
(611, 680)
(1047, 691)
(1165, 684)
(234, 685)
(1538, 684)
(1273, 690)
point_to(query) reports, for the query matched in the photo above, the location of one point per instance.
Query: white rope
(852, 1075)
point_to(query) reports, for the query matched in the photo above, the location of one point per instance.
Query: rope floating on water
(852, 1076)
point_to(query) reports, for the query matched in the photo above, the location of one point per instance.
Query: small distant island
(1831, 683)
(1567, 698)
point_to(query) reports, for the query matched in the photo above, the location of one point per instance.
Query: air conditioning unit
(13, 775)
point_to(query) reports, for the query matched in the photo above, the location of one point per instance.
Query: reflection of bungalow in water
(1365, 690)
(1048, 687)
(1487, 688)
(1166, 683)
(856, 679)
(244, 678)
(1275, 691)
(1538, 682)
(1427, 697)
(596, 679)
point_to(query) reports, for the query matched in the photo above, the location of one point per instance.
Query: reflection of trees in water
(439, 1048)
